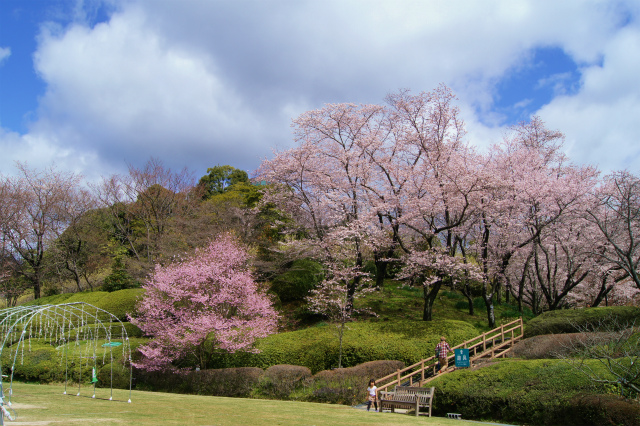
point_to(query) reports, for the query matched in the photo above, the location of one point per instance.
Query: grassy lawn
(399, 301)
(46, 404)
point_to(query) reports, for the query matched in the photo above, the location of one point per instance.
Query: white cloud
(205, 83)
(125, 92)
(601, 120)
(5, 52)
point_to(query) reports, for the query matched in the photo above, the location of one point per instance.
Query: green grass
(46, 403)
(397, 301)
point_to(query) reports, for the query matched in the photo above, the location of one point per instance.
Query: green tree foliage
(220, 179)
(81, 251)
(296, 282)
(119, 279)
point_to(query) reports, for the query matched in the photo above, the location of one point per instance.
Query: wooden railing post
(487, 339)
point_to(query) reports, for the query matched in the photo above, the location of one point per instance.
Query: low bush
(121, 303)
(280, 381)
(106, 330)
(550, 346)
(295, 283)
(537, 392)
(317, 347)
(578, 320)
(39, 361)
(462, 305)
(49, 300)
(349, 385)
(601, 410)
(479, 304)
(114, 375)
(132, 330)
(90, 297)
(230, 382)
(36, 363)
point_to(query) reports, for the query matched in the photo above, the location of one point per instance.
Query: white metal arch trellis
(62, 326)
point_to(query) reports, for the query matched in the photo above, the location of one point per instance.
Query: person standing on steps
(442, 350)
(372, 396)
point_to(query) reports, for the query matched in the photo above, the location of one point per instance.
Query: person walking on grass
(372, 396)
(442, 350)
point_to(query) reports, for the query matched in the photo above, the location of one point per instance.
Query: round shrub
(536, 392)
(317, 348)
(50, 300)
(119, 279)
(605, 410)
(295, 283)
(121, 303)
(230, 382)
(547, 346)
(349, 385)
(90, 297)
(279, 381)
(114, 375)
(580, 320)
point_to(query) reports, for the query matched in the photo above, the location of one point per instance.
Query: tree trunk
(466, 291)
(86, 278)
(491, 317)
(341, 333)
(381, 272)
(36, 287)
(430, 297)
(73, 268)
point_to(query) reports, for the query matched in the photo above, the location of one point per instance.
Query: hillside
(298, 363)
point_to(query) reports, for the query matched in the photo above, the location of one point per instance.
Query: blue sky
(94, 85)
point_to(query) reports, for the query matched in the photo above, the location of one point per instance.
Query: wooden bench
(407, 397)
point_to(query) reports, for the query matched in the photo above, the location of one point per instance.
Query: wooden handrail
(482, 340)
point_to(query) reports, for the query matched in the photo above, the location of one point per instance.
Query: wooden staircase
(492, 344)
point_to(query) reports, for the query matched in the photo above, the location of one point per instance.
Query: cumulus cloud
(601, 120)
(123, 91)
(206, 83)
(5, 52)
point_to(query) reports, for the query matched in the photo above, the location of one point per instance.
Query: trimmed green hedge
(51, 300)
(317, 348)
(539, 392)
(121, 303)
(576, 320)
(39, 361)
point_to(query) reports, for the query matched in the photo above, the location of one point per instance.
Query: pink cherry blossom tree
(399, 183)
(334, 297)
(616, 214)
(208, 302)
(532, 188)
(439, 187)
(321, 183)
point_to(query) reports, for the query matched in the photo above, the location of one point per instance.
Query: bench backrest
(412, 390)
(424, 400)
(405, 397)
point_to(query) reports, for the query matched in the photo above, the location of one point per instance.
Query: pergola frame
(61, 326)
